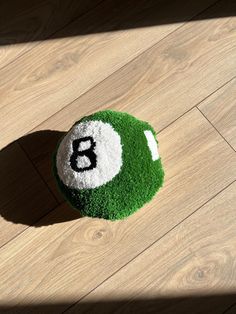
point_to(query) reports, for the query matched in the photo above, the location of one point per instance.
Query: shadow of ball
(26, 174)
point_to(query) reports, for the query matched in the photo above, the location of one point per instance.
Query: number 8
(80, 153)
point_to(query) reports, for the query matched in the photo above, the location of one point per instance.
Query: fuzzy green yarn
(137, 182)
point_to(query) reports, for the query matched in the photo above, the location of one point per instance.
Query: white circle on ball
(107, 149)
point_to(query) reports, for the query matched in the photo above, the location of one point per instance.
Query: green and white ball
(108, 165)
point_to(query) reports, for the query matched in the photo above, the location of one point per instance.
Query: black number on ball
(79, 153)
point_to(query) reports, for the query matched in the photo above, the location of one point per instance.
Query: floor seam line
(196, 105)
(221, 135)
(153, 243)
(228, 308)
(48, 37)
(136, 57)
(18, 234)
(39, 174)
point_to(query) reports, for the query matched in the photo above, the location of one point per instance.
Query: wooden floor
(172, 63)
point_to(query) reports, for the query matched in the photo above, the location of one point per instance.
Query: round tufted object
(108, 165)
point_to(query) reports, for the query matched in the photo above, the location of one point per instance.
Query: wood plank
(220, 109)
(31, 91)
(24, 196)
(197, 258)
(168, 79)
(24, 23)
(63, 262)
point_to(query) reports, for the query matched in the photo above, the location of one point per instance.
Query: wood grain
(56, 72)
(158, 86)
(168, 79)
(24, 196)
(220, 109)
(64, 261)
(24, 23)
(197, 258)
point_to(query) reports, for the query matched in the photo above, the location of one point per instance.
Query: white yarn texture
(108, 150)
(152, 144)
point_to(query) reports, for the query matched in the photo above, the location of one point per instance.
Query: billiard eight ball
(108, 165)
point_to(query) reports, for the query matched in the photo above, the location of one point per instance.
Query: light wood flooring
(172, 63)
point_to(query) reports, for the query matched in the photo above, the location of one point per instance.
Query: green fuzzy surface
(137, 182)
